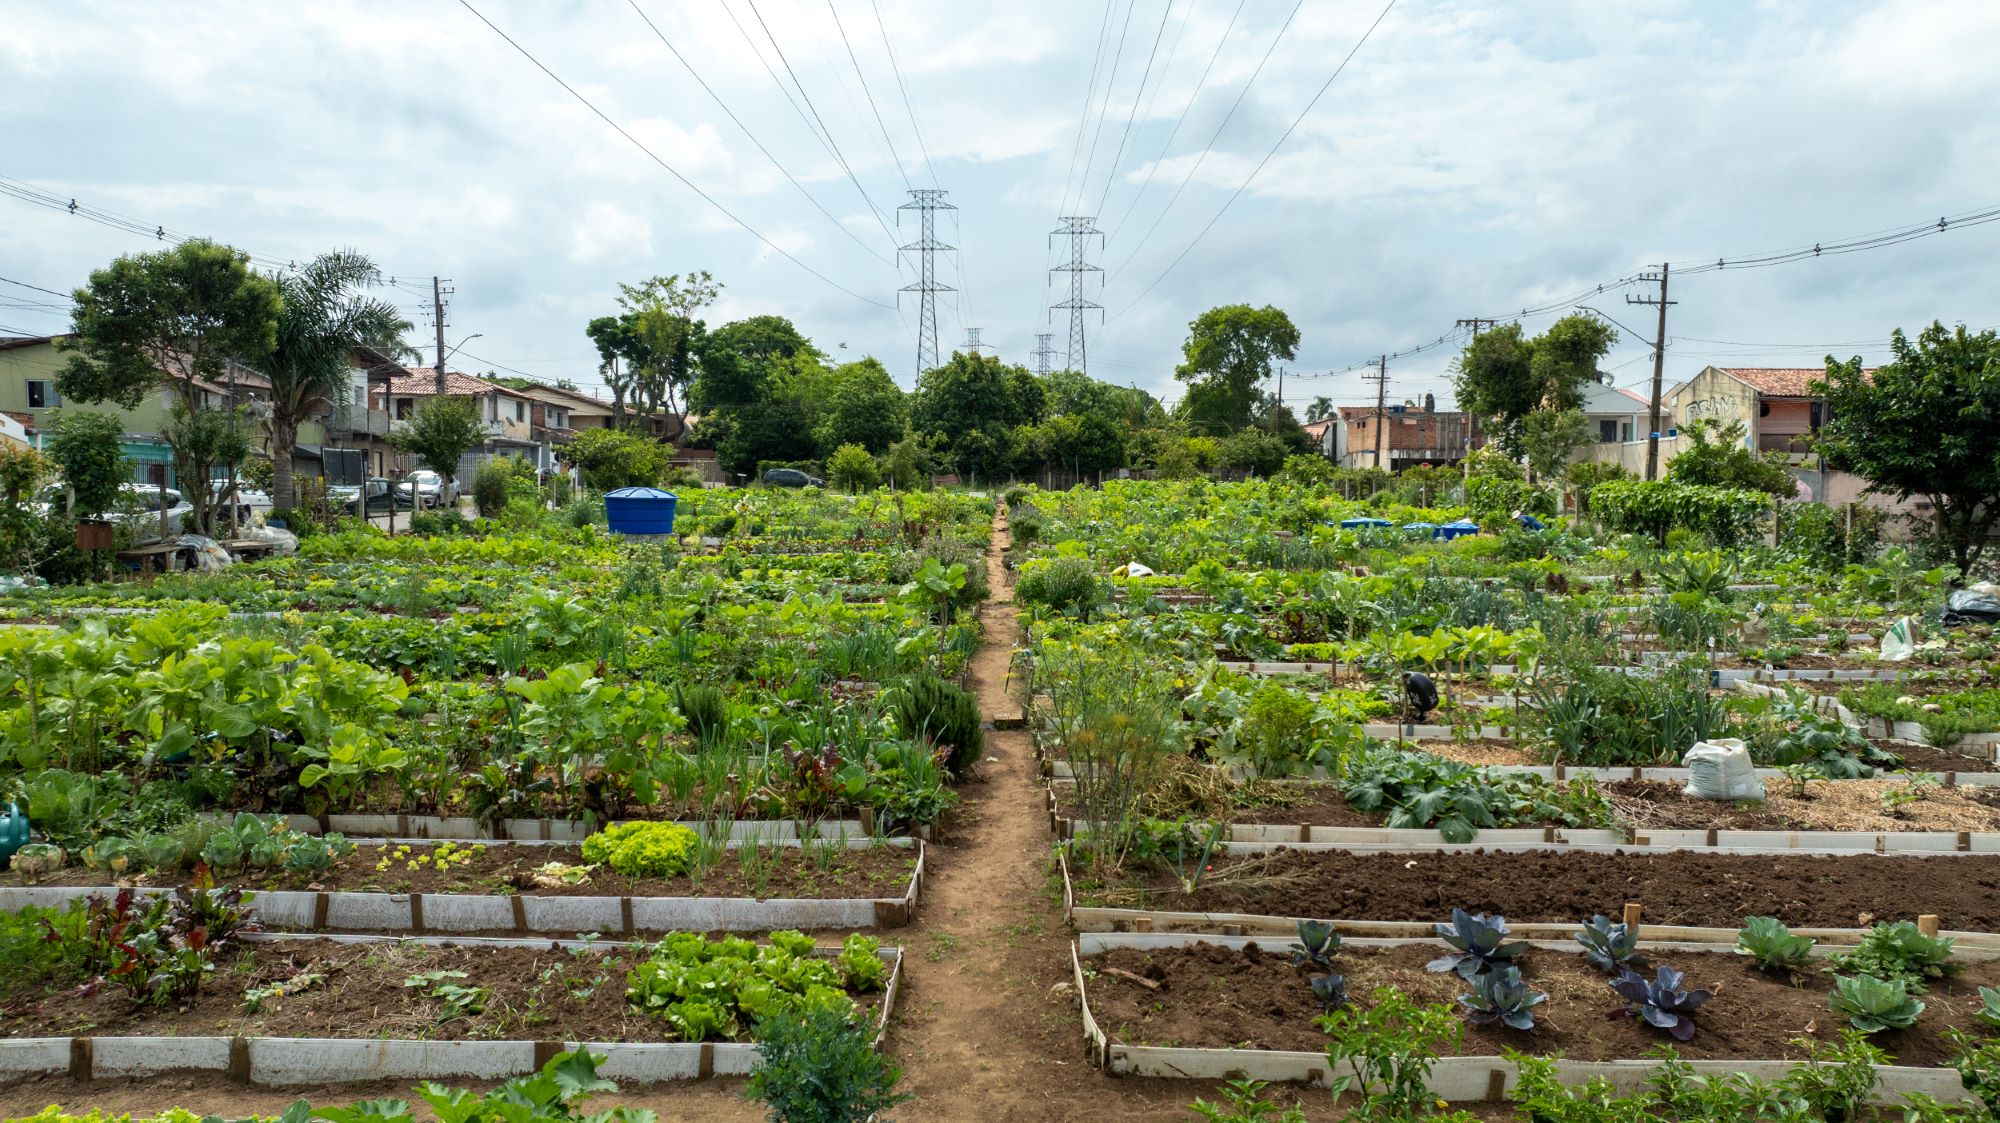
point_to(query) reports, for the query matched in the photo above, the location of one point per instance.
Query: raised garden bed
(365, 1019)
(1559, 884)
(508, 887)
(1204, 1006)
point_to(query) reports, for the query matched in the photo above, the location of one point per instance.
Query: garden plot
(547, 888)
(1201, 1006)
(282, 1010)
(1556, 884)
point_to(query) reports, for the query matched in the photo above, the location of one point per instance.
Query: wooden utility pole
(437, 315)
(1381, 380)
(1659, 366)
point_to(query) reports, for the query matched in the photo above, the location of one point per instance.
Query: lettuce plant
(1661, 1003)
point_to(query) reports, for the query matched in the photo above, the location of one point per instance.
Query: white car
(429, 487)
(248, 499)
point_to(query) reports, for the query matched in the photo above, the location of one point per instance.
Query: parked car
(248, 498)
(380, 495)
(791, 477)
(431, 488)
(139, 508)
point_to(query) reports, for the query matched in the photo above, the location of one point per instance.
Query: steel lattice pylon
(1043, 352)
(926, 201)
(1079, 230)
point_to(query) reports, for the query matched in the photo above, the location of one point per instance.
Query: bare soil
(1924, 758)
(1678, 887)
(817, 872)
(1828, 805)
(1216, 997)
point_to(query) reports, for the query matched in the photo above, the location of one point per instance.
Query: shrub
(940, 714)
(1656, 507)
(642, 849)
(445, 521)
(1062, 585)
(818, 1066)
(852, 469)
(87, 447)
(489, 488)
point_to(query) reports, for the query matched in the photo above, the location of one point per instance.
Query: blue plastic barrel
(1458, 529)
(640, 510)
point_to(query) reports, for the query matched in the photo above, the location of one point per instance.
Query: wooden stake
(1121, 973)
(1632, 916)
(1928, 924)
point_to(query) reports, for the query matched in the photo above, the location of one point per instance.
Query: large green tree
(1925, 424)
(1549, 436)
(1229, 353)
(171, 319)
(325, 315)
(864, 406)
(781, 423)
(973, 403)
(736, 362)
(666, 318)
(1501, 377)
(621, 353)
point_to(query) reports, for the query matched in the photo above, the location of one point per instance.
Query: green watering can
(13, 831)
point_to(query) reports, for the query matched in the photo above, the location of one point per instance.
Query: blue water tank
(640, 510)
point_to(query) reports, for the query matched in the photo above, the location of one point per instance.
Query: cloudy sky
(1475, 158)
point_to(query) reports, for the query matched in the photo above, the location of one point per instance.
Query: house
(1776, 405)
(1616, 414)
(1321, 432)
(505, 412)
(1401, 436)
(28, 394)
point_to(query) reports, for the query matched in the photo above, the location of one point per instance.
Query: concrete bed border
(281, 1061)
(535, 913)
(1459, 1079)
(461, 828)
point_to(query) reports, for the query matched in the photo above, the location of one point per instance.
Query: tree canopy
(1229, 352)
(441, 432)
(1925, 424)
(1503, 377)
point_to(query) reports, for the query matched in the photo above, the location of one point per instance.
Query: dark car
(791, 477)
(381, 495)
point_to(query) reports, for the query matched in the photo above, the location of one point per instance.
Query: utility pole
(926, 201)
(1477, 324)
(1079, 229)
(1381, 380)
(438, 293)
(1659, 365)
(1043, 352)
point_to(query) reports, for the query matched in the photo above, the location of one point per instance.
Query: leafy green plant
(1609, 946)
(643, 849)
(1873, 1005)
(713, 988)
(1246, 1105)
(942, 715)
(1836, 1079)
(1478, 943)
(1500, 996)
(1331, 990)
(817, 1066)
(1977, 1063)
(861, 968)
(1385, 1052)
(1660, 1002)
(1774, 947)
(456, 999)
(1989, 1006)
(1898, 951)
(1062, 585)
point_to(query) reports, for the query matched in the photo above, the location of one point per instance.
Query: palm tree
(324, 318)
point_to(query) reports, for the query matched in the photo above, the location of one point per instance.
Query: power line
(1112, 176)
(1089, 95)
(867, 93)
(1117, 57)
(1154, 165)
(1203, 155)
(724, 106)
(685, 181)
(37, 288)
(832, 144)
(1286, 135)
(908, 106)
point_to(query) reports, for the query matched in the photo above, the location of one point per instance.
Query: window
(1607, 429)
(42, 394)
(520, 411)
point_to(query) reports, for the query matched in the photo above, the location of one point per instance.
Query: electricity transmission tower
(1043, 352)
(972, 342)
(926, 201)
(1079, 230)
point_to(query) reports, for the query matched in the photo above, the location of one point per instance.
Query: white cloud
(606, 234)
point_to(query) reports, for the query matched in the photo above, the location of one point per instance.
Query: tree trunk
(284, 438)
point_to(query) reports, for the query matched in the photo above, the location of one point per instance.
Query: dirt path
(986, 1029)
